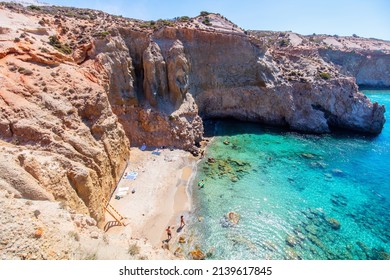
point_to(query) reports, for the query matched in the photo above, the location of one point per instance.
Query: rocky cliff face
(77, 85)
(365, 59)
(370, 68)
(59, 137)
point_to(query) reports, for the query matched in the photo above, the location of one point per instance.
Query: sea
(275, 194)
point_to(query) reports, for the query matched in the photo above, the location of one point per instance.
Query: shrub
(184, 19)
(64, 48)
(325, 75)
(33, 7)
(144, 25)
(206, 21)
(133, 249)
(165, 22)
(284, 43)
(101, 34)
(204, 13)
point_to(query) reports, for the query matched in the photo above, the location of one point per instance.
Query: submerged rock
(316, 241)
(233, 217)
(337, 172)
(339, 200)
(291, 240)
(311, 228)
(197, 254)
(178, 252)
(210, 252)
(291, 254)
(181, 240)
(308, 155)
(380, 254)
(269, 245)
(334, 224)
(230, 219)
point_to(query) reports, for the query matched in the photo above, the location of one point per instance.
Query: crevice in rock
(331, 119)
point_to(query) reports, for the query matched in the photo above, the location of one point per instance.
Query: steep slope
(60, 139)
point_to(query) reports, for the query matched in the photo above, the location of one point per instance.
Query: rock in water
(291, 240)
(197, 254)
(333, 223)
(308, 156)
(182, 240)
(337, 172)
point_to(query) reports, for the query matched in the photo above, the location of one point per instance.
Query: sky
(366, 18)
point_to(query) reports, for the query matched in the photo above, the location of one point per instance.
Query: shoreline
(157, 197)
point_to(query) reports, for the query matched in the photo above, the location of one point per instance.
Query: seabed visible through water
(299, 196)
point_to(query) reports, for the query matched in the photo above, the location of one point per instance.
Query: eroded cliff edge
(78, 86)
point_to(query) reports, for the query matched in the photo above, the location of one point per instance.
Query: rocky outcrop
(370, 68)
(155, 74)
(58, 135)
(178, 69)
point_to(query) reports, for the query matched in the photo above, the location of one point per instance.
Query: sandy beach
(157, 197)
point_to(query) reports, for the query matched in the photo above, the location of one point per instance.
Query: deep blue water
(299, 196)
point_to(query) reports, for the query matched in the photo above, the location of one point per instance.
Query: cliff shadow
(230, 127)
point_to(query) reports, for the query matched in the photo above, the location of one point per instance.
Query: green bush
(206, 21)
(184, 19)
(101, 34)
(204, 13)
(325, 75)
(64, 48)
(33, 7)
(284, 43)
(162, 22)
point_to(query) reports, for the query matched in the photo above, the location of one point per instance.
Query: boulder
(334, 224)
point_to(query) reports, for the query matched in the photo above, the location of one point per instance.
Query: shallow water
(298, 196)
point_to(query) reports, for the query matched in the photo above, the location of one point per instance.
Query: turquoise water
(299, 196)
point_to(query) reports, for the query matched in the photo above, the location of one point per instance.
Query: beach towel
(121, 194)
(143, 147)
(131, 176)
(156, 152)
(124, 189)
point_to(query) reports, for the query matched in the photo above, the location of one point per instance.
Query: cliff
(79, 86)
(367, 60)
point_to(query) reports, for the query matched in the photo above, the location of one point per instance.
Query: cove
(298, 196)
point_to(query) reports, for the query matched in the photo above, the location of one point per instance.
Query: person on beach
(201, 184)
(169, 233)
(182, 223)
